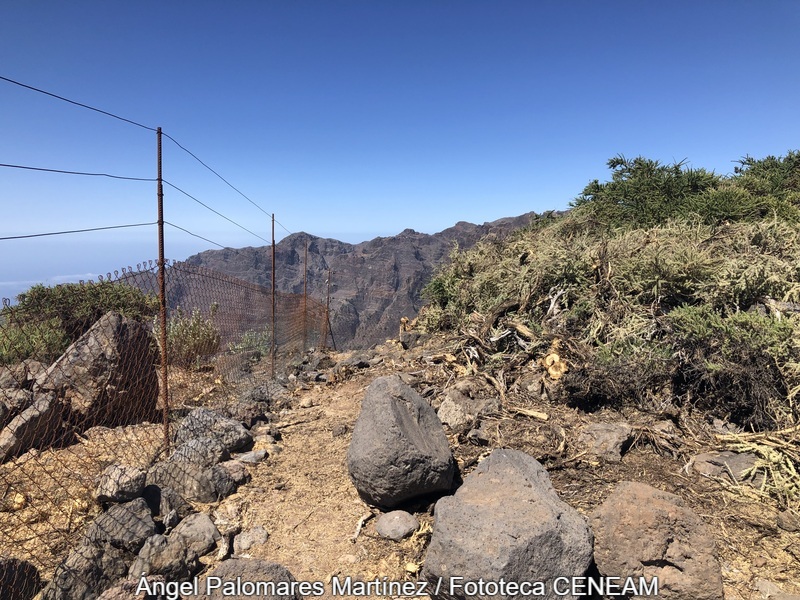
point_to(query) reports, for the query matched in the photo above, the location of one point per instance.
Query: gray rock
(120, 483)
(249, 538)
(20, 375)
(506, 521)
(727, 464)
(770, 590)
(254, 570)
(258, 395)
(124, 526)
(191, 481)
(202, 451)
(396, 525)
(15, 401)
(398, 448)
(357, 361)
(479, 435)
(788, 521)
(198, 532)
(223, 480)
(167, 556)
(409, 339)
(606, 441)
(203, 422)
(248, 413)
(38, 426)
(237, 471)
(19, 580)
(458, 410)
(108, 376)
(643, 532)
(87, 570)
(340, 430)
(253, 457)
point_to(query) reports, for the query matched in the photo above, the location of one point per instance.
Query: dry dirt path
(304, 498)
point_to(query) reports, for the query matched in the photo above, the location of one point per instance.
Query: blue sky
(357, 118)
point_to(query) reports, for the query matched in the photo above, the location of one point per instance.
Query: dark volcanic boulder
(398, 450)
(38, 426)
(120, 483)
(507, 522)
(191, 481)
(203, 451)
(203, 422)
(641, 531)
(105, 553)
(108, 376)
(168, 556)
(124, 526)
(87, 571)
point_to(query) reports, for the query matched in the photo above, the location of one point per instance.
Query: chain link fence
(81, 393)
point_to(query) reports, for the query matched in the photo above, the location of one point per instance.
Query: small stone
(396, 525)
(606, 441)
(789, 521)
(728, 464)
(252, 457)
(236, 470)
(479, 436)
(306, 402)
(339, 430)
(168, 556)
(247, 539)
(773, 591)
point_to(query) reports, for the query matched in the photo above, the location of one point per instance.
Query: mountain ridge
(374, 283)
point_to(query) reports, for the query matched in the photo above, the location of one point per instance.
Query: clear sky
(357, 118)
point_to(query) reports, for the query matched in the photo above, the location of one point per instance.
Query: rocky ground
(317, 526)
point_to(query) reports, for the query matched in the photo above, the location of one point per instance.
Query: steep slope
(373, 284)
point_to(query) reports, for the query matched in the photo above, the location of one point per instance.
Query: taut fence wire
(93, 377)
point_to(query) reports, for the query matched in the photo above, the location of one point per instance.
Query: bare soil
(303, 497)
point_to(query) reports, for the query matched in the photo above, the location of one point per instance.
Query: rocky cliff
(373, 284)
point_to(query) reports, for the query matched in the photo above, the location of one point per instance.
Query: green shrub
(651, 284)
(46, 320)
(189, 337)
(253, 340)
(44, 341)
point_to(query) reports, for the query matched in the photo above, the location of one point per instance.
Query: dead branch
(360, 525)
(534, 414)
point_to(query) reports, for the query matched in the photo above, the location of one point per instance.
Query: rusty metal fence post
(273, 348)
(162, 298)
(305, 299)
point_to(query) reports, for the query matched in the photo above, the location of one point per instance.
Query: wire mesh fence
(81, 394)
